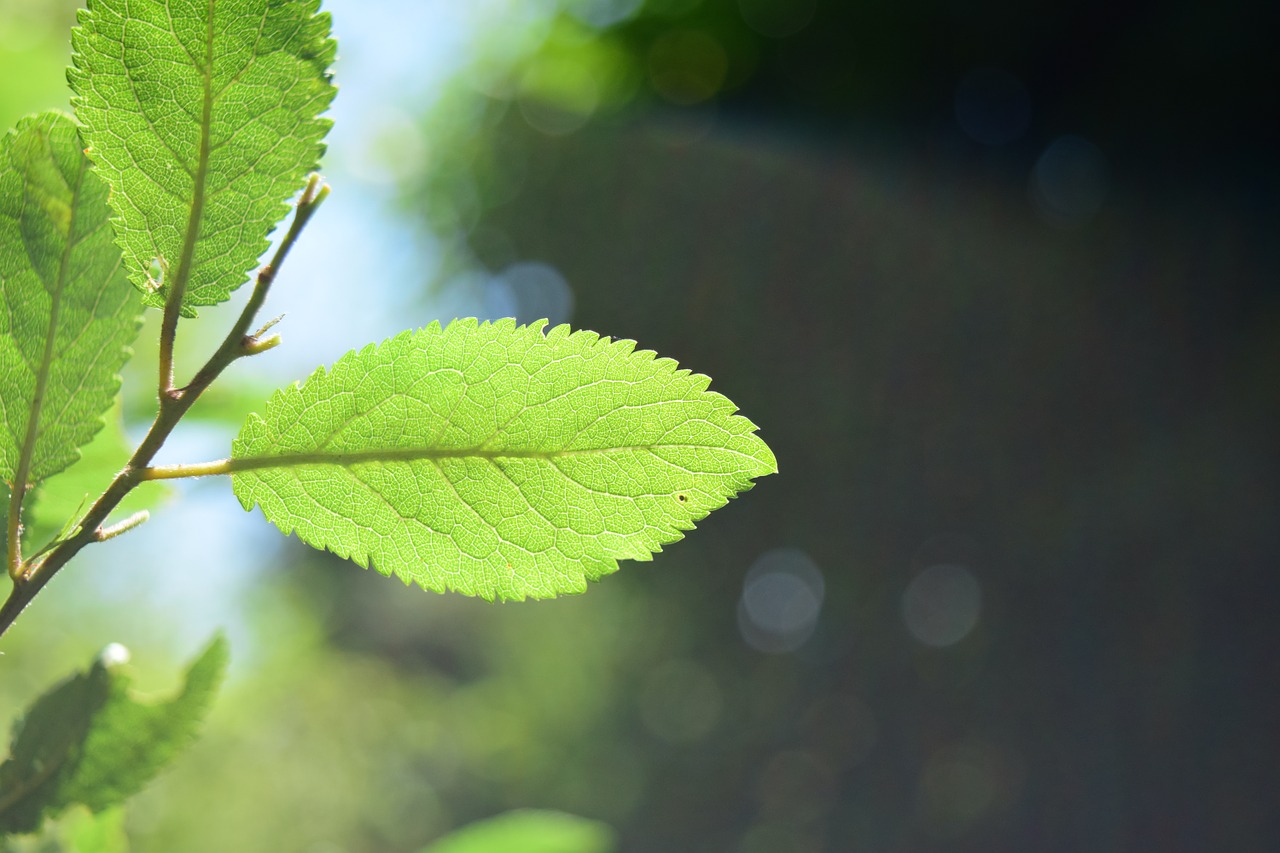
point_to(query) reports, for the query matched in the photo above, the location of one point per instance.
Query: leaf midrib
(345, 459)
(182, 275)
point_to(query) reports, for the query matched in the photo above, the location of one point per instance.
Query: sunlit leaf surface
(494, 459)
(203, 117)
(67, 314)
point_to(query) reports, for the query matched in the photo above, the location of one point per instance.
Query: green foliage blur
(34, 53)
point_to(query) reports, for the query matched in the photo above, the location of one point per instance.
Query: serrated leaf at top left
(67, 312)
(203, 116)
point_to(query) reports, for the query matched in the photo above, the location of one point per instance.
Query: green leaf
(47, 743)
(66, 496)
(203, 117)
(67, 313)
(494, 459)
(87, 741)
(528, 831)
(129, 742)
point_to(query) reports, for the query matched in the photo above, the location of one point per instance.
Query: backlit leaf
(129, 742)
(88, 741)
(47, 743)
(67, 314)
(203, 117)
(494, 459)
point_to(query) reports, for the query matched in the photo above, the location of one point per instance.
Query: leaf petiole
(178, 472)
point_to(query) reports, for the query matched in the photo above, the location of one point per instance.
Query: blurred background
(998, 283)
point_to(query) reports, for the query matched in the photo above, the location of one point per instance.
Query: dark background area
(1174, 92)
(1080, 409)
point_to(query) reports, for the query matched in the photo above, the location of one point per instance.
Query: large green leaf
(87, 741)
(494, 459)
(203, 117)
(528, 831)
(67, 313)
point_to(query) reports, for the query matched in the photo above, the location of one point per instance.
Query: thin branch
(30, 578)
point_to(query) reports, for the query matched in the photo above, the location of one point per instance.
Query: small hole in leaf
(682, 497)
(155, 274)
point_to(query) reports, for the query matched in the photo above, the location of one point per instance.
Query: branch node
(253, 345)
(314, 192)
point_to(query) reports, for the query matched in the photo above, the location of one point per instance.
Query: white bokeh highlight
(941, 605)
(781, 599)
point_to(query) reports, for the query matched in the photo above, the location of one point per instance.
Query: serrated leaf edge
(744, 482)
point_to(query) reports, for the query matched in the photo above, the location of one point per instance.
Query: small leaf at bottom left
(88, 741)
